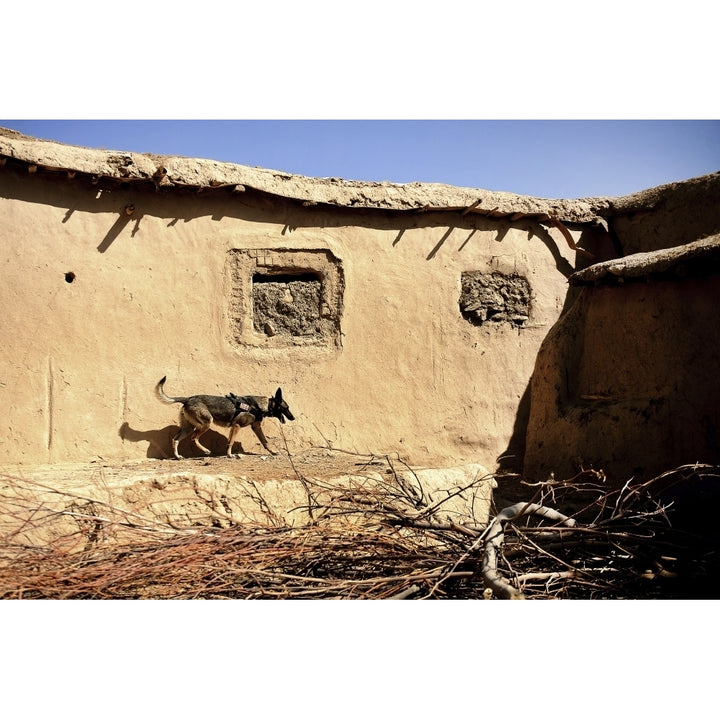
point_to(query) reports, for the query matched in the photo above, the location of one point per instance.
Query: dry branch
(495, 537)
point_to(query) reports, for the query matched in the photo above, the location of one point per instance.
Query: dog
(199, 412)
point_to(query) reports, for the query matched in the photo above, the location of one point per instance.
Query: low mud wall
(73, 506)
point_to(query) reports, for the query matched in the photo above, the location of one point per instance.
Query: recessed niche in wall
(494, 298)
(285, 298)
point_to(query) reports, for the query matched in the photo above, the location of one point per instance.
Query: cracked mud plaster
(290, 308)
(493, 298)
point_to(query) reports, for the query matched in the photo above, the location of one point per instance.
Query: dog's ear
(278, 395)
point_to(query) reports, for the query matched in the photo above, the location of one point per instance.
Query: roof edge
(701, 257)
(169, 172)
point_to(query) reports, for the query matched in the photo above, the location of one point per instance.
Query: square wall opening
(285, 298)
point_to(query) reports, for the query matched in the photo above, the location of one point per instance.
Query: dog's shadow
(160, 442)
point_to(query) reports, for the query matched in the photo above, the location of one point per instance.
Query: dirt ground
(316, 462)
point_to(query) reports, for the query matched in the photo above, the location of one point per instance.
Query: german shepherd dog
(199, 412)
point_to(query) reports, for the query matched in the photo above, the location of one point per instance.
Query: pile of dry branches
(384, 539)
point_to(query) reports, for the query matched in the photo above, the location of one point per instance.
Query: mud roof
(169, 172)
(698, 258)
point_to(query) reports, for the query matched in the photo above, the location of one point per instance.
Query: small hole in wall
(69, 277)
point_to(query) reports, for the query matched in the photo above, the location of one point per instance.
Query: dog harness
(245, 404)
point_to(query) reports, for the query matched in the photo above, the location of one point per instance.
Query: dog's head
(278, 408)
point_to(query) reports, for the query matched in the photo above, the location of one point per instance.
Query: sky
(542, 158)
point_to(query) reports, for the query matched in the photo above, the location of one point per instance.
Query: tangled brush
(381, 537)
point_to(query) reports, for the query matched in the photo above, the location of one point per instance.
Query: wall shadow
(513, 457)
(602, 246)
(160, 446)
(183, 205)
(112, 234)
(543, 234)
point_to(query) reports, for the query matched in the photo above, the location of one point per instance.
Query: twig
(529, 577)
(311, 500)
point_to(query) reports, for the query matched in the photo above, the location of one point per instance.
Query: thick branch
(496, 536)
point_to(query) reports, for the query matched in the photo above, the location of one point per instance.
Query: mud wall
(388, 331)
(627, 380)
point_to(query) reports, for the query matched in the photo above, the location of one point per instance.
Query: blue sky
(543, 158)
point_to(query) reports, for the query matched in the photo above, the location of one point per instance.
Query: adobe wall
(448, 325)
(427, 318)
(627, 380)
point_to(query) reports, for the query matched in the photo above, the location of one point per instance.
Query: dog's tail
(162, 397)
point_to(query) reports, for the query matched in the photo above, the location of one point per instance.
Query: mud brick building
(446, 324)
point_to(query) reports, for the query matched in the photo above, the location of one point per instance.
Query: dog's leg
(196, 438)
(193, 422)
(257, 429)
(185, 430)
(175, 442)
(241, 421)
(231, 439)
